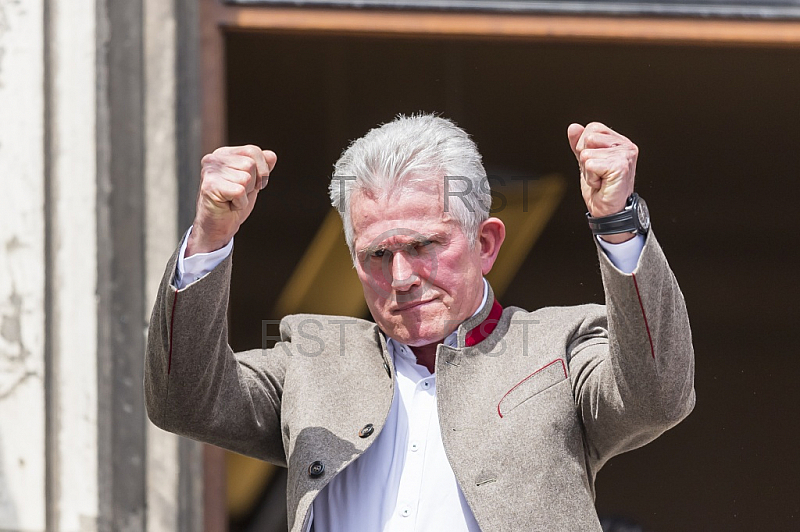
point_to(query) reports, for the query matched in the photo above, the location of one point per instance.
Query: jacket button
(316, 469)
(367, 431)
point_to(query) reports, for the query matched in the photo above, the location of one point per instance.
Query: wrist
(618, 238)
(200, 242)
(633, 218)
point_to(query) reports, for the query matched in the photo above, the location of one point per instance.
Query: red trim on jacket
(563, 367)
(171, 325)
(482, 331)
(644, 315)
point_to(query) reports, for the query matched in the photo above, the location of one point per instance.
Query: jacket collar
(477, 328)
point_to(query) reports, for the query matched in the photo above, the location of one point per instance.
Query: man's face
(420, 276)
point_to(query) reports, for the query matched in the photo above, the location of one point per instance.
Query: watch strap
(620, 222)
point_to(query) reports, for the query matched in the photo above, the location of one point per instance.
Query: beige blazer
(528, 416)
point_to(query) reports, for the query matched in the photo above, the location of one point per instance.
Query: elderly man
(449, 412)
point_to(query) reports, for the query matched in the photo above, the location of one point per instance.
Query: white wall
(22, 266)
(161, 200)
(74, 257)
(49, 401)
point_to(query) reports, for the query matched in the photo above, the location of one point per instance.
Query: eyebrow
(415, 241)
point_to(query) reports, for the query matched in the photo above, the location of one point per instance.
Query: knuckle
(209, 180)
(234, 179)
(207, 189)
(205, 173)
(252, 152)
(243, 177)
(210, 161)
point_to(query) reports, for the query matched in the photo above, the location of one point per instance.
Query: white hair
(411, 150)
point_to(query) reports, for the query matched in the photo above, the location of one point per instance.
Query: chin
(420, 342)
(428, 332)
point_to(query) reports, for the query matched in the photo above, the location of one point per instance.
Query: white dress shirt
(403, 482)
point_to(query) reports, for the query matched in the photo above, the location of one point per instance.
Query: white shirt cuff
(624, 256)
(190, 269)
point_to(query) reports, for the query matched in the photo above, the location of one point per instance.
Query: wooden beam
(512, 26)
(213, 133)
(212, 71)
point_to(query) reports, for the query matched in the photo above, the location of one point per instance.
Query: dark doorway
(717, 131)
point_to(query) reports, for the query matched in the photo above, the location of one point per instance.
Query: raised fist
(608, 166)
(230, 180)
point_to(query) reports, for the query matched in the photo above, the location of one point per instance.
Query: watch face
(642, 215)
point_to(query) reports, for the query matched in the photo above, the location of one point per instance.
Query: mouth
(411, 306)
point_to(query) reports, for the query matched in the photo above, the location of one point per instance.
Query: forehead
(413, 210)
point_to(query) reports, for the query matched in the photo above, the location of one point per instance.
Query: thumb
(271, 158)
(574, 132)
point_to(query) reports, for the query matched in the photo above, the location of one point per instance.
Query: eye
(378, 253)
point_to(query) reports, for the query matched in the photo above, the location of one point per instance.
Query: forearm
(649, 334)
(633, 371)
(181, 339)
(195, 385)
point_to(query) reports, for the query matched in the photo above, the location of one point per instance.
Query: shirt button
(405, 511)
(426, 384)
(414, 446)
(316, 469)
(367, 431)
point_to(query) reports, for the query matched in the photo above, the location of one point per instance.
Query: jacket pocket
(540, 380)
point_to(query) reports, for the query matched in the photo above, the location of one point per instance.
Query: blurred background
(107, 107)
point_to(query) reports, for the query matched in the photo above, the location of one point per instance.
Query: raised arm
(194, 384)
(632, 371)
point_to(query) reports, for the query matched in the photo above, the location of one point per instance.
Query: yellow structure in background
(526, 214)
(325, 282)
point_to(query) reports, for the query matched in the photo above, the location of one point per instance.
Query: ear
(491, 235)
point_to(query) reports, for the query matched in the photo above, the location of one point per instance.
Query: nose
(404, 278)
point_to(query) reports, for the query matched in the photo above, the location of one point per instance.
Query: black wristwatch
(634, 218)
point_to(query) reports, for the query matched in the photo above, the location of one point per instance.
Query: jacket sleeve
(196, 386)
(633, 375)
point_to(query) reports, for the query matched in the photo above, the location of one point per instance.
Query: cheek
(427, 266)
(374, 290)
(456, 273)
(376, 278)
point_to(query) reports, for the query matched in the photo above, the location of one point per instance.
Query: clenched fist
(230, 180)
(608, 168)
